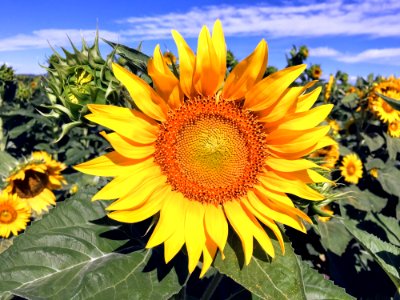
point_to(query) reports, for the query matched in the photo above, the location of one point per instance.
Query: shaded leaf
(334, 236)
(390, 225)
(393, 146)
(67, 254)
(385, 254)
(317, 287)
(374, 142)
(389, 179)
(363, 200)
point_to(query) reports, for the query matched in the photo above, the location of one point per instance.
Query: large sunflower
(14, 214)
(205, 152)
(34, 180)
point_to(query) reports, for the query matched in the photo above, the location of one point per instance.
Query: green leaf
(385, 254)
(7, 163)
(334, 236)
(279, 278)
(389, 179)
(390, 225)
(317, 287)
(71, 253)
(374, 163)
(363, 200)
(395, 103)
(350, 99)
(374, 142)
(393, 146)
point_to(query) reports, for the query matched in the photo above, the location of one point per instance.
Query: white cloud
(55, 37)
(332, 17)
(379, 56)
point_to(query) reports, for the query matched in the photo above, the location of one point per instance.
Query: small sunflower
(329, 154)
(335, 127)
(34, 180)
(315, 72)
(326, 209)
(169, 58)
(351, 168)
(394, 128)
(14, 214)
(374, 172)
(206, 153)
(390, 88)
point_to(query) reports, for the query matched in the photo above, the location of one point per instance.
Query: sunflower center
(32, 185)
(351, 169)
(7, 214)
(211, 152)
(387, 107)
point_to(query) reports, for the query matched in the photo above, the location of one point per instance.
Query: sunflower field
(192, 175)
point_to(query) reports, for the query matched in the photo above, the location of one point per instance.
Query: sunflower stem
(212, 286)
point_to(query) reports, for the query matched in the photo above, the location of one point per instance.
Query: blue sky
(358, 37)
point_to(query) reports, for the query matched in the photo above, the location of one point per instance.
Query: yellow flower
(394, 128)
(169, 58)
(351, 168)
(33, 181)
(14, 215)
(329, 154)
(316, 72)
(334, 126)
(328, 88)
(390, 88)
(325, 209)
(374, 172)
(204, 153)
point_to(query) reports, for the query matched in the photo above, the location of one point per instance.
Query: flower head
(351, 168)
(206, 153)
(394, 128)
(329, 154)
(34, 180)
(315, 72)
(390, 88)
(14, 215)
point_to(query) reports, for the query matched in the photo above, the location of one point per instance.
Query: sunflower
(206, 153)
(390, 88)
(14, 214)
(394, 128)
(374, 172)
(329, 154)
(315, 72)
(351, 168)
(335, 127)
(34, 180)
(327, 210)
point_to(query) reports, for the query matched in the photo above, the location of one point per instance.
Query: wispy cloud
(332, 17)
(379, 56)
(55, 37)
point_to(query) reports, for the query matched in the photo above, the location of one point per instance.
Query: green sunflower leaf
(283, 277)
(317, 287)
(74, 252)
(385, 254)
(395, 103)
(334, 236)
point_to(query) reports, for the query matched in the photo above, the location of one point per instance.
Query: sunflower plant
(205, 177)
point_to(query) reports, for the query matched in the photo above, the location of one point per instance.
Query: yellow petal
(278, 206)
(148, 209)
(266, 92)
(242, 225)
(173, 208)
(165, 82)
(128, 148)
(206, 78)
(306, 101)
(294, 141)
(194, 232)
(289, 165)
(186, 65)
(247, 73)
(274, 195)
(266, 221)
(216, 225)
(284, 106)
(218, 41)
(306, 119)
(127, 122)
(110, 164)
(209, 251)
(263, 206)
(296, 187)
(123, 183)
(139, 193)
(148, 101)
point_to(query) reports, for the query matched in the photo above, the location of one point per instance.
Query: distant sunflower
(351, 168)
(204, 153)
(14, 214)
(326, 209)
(329, 155)
(394, 128)
(316, 72)
(34, 180)
(374, 172)
(390, 88)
